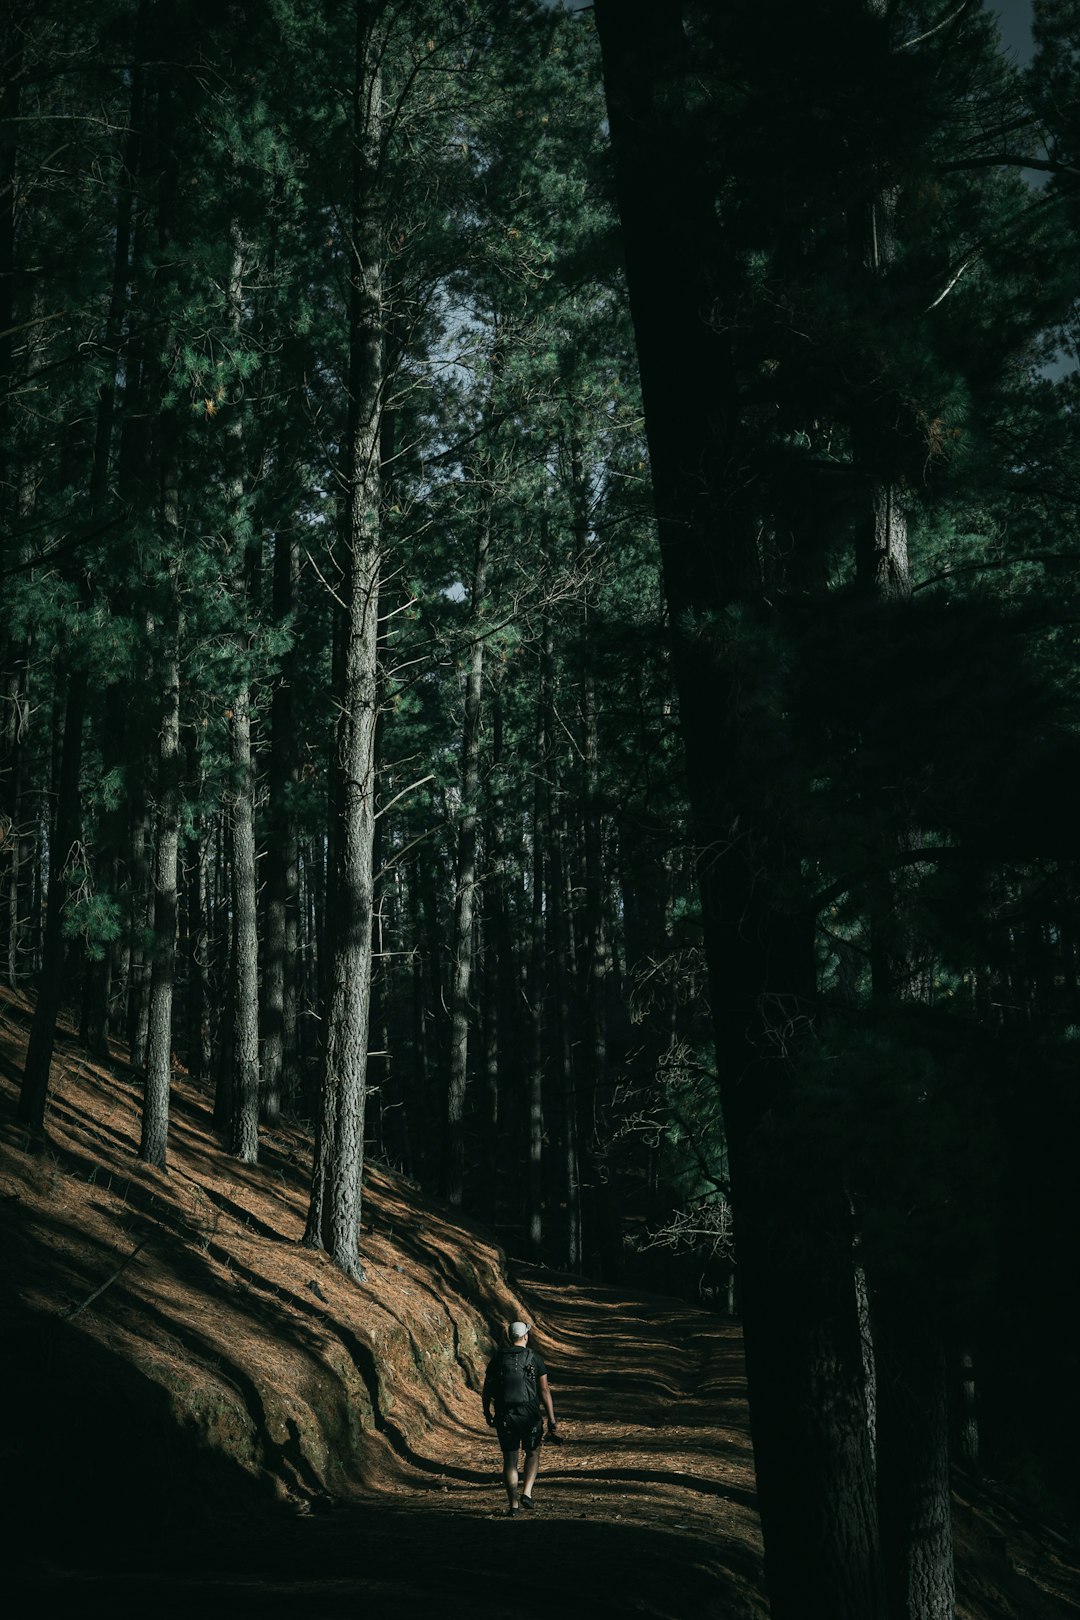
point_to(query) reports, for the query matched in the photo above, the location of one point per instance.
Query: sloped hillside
(204, 1417)
(210, 1313)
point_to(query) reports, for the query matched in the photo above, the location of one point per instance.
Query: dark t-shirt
(491, 1386)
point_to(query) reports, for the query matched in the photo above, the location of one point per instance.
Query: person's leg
(532, 1468)
(510, 1476)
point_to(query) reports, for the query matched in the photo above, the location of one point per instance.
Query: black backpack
(516, 1382)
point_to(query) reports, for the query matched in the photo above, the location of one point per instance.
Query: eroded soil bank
(205, 1419)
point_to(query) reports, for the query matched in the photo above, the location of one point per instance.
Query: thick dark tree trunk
(883, 568)
(807, 1399)
(913, 1460)
(965, 1406)
(908, 1354)
(334, 1214)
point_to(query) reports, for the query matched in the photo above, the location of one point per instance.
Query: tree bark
(804, 1361)
(244, 1132)
(537, 995)
(18, 708)
(14, 708)
(244, 1136)
(279, 1049)
(595, 949)
(140, 908)
(334, 1214)
(557, 930)
(464, 930)
(153, 1145)
(35, 1085)
(911, 1426)
(504, 1103)
(914, 1495)
(199, 1049)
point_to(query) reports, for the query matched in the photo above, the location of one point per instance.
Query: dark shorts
(519, 1426)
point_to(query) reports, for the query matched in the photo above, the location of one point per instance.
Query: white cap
(517, 1330)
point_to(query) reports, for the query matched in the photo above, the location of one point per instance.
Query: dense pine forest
(539, 636)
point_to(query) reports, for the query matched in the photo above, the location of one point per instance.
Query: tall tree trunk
(464, 931)
(595, 949)
(909, 1359)
(153, 1144)
(501, 999)
(559, 922)
(420, 1090)
(557, 926)
(18, 708)
(198, 933)
(437, 1057)
(35, 1085)
(244, 1135)
(111, 824)
(334, 1214)
(804, 1361)
(166, 833)
(966, 1408)
(11, 57)
(244, 1132)
(914, 1495)
(14, 708)
(537, 995)
(95, 1030)
(13, 782)
(279, 1047)
(225, 978)
(140, 908)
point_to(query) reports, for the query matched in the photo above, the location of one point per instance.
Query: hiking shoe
(512, 1510)
(527, 1503)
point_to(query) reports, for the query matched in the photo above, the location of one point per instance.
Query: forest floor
(204, 1418)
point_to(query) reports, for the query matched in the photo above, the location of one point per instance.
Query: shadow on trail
(613, 1478)
(380, 1562)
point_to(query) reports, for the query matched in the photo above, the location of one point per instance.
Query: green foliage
(96, 919)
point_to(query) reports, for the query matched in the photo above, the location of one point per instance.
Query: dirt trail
(191, 1443)
(645, 1509)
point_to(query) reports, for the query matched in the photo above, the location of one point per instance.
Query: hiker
(516, 1383)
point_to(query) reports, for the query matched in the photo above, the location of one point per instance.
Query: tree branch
(90, 1298)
